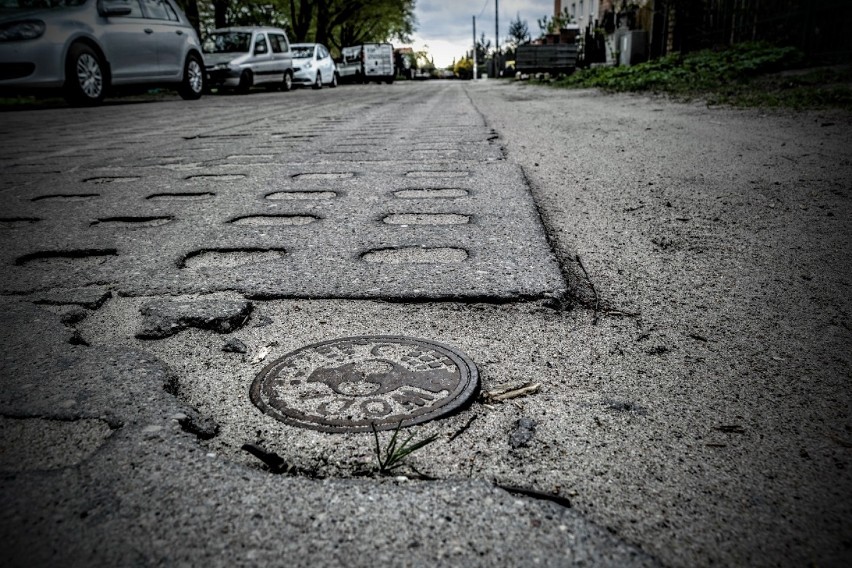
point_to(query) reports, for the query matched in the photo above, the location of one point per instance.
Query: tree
(190, 8)
(553, 25)
(301, 15)
(519, 31)
(483, 46)
(350, 22)
(463, 69)
(335, 23)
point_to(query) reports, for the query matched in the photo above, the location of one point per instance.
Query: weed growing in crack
(393, 455)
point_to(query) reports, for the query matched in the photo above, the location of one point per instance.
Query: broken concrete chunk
(90, 298)
(234, 345)
(73, 316)
(523, 433)
(165, 318)
(77, 339)
(203, 427)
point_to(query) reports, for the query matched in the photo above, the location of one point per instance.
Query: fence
(820, 28)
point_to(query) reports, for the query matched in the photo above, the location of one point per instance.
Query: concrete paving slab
(109, 218)
(149, 493)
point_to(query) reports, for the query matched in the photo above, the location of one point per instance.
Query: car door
(262, 63)
(325, 63)
(170, 35)
(129, 48)
(280, 52)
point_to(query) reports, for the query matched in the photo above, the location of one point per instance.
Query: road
(662, 287)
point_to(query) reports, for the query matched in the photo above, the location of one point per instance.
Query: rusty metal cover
(344, 385)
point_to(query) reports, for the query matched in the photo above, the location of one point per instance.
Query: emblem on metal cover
(344, 385)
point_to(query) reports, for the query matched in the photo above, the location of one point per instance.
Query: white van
(367, 62)
(242, 57)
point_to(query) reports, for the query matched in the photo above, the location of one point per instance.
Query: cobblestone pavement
(273, 196)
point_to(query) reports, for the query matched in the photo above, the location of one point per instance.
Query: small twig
(591, 284)
(276, 463)
(622, 313)
(422, 476)
(511, 392)
(535, 494)
(730, 429)
(461, 430)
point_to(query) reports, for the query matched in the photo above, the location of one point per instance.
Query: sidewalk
(690, 358)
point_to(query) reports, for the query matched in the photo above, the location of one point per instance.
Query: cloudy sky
(445, 25)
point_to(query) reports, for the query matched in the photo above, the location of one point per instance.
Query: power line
(484, 6)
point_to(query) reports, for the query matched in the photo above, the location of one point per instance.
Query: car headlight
(308, 65)
(223, 66)
(21, 30)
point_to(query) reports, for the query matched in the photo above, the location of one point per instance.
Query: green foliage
(553, 25)
(483, 46)
(742, 75)
(335, 23)
(395, 454)
(351, 22)
(518, 30)
(463, 68)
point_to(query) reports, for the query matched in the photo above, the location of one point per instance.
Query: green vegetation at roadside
(749, 74)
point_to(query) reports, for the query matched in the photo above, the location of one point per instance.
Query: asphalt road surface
(624, 320)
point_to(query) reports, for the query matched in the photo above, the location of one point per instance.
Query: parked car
(367, 62)
(313, 65)
(242, 57)
(87, 48)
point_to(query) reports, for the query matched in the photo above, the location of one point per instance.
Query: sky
(446, 28)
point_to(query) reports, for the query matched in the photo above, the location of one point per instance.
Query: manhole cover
(344, 385)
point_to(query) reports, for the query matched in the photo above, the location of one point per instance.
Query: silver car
(242, 57)
(88, 47)
(313, 65)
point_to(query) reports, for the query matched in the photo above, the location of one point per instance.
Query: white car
(88, 47)
(368, 62)
(242, 57)
(313, 65)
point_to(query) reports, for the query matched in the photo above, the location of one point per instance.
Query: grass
(394, 455)
(748, 74)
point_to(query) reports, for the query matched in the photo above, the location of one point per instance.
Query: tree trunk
(190, 8)
(323, 21)
(220, 13)
(300, 20)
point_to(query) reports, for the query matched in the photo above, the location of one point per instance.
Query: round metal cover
(344, 385)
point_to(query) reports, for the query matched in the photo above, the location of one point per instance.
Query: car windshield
(300, 52)
(227, 42)
(39, 4)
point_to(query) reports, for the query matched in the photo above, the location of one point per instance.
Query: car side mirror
(107, 9)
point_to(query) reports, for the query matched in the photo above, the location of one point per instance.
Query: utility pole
(474, 48)
(496, 57)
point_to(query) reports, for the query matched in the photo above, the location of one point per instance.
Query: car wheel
(287, 85)
(193, 84)
(85, 76)
(246, 81)
(334, 80)
(318, 82)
